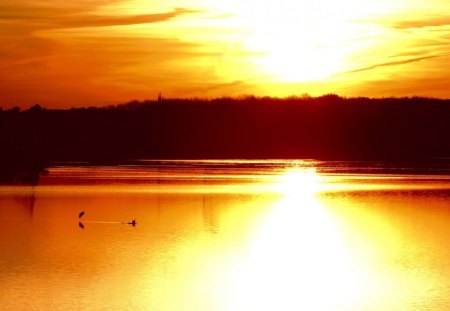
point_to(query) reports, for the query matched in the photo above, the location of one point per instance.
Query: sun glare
(297, 259)
(298, 182)
(300, 41)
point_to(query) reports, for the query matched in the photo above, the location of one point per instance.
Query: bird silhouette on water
(80, 224)
(133, 223)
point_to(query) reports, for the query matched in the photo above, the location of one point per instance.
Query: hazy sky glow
(93, 52)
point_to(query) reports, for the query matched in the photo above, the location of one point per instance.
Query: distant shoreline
(324, 128)
(133, 104)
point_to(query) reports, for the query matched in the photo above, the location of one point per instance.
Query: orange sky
(95, 52)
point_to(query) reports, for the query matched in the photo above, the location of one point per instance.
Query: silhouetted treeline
(327, 127)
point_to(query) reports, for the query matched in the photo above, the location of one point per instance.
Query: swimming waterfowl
(133, 222)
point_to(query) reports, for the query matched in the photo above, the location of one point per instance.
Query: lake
(228, 235)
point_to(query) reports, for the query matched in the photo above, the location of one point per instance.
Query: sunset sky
(96, 52)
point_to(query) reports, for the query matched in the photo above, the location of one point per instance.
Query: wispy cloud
(48, 9)
(43, 61)
(102, 21)
(54, 17)
(392, 63)
(208, 89)
(435, 21)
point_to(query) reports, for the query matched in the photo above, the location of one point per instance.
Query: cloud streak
(54, 18)
(392, 63)
(104, 21)
(438, 21)
(43, 63)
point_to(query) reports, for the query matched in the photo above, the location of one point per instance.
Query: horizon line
(160, 98)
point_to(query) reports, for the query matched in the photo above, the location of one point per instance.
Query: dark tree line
(328, 127)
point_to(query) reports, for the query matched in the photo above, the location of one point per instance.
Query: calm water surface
(227, 235)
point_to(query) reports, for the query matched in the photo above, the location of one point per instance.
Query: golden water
(277, 235)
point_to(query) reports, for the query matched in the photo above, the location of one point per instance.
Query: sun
(300, 41)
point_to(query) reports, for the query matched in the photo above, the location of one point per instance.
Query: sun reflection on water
(298, 182)
(297, 259)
